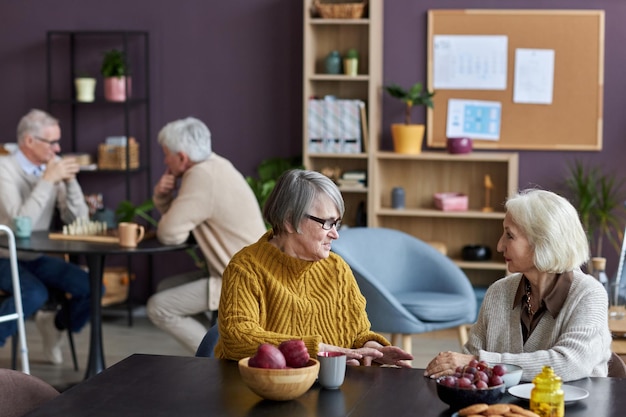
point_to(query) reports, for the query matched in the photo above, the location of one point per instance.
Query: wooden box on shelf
(114, 156)
(353, 10)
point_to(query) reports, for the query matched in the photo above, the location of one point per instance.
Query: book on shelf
(364, 129)
(335, 125)
(358, 175)
(350, 183)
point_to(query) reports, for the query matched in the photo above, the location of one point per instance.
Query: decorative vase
(351, 66)
(115, 88)
(85, 89)
(407, 139)
(333, 63)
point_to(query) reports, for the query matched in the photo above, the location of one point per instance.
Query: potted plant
(268, 172)
(85, 86)
(114, 69)
(351, 62)
(407, 137)
(599, 199)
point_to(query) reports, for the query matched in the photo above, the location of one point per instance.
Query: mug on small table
(130, 234)
(332, 369)
(22, 226)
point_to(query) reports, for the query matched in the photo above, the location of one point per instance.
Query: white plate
(572, 393)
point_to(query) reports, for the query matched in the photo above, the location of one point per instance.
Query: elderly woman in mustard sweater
(288, 285)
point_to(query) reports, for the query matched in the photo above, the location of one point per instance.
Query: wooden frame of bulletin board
(574, 119)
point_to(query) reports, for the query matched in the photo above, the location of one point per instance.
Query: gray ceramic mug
(332, 369)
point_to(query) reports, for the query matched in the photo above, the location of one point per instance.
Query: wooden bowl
(279, 384)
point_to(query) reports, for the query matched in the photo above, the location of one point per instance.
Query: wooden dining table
(95, 254)
(159, 386)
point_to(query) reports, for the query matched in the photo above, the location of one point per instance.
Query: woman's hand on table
(353, 356)
(391, 355)
(372, 352)
(445, 363)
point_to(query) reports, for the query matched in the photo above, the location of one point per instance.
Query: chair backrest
(404, 256)
(617, 367)
(20, 393)
(207, 346)
(17, 299)
(387, 262)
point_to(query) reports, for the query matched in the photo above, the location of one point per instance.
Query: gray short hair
(553, 228)
(190, 136)
(33, 122)
(293, 196)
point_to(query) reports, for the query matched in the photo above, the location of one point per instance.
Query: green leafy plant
(352, 54)
(126, 211)
(114, 64)
(599, 199)
(268, 172)
(414, 96)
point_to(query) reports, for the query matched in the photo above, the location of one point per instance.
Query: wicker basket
(340, 10)
(114, 157)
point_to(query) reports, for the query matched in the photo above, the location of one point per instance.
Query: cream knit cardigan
(576, 343)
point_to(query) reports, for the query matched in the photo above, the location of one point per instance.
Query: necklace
(528, 305)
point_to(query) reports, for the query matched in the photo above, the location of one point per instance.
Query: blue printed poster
(475, 119)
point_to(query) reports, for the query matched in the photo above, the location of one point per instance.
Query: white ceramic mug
(332, 369)
(130, 234)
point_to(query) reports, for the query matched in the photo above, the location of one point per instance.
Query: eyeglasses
(327, 224)
(49, 142)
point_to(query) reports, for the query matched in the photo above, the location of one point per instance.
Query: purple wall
(405, 63)
(237, 65)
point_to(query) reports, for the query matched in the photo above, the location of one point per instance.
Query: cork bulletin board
(573, 120)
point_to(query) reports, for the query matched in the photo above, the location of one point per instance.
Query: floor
(121, 341)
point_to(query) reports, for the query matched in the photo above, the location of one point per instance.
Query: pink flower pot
(115, 88)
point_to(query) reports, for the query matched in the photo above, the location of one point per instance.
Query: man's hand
(166, 184)
(61, 169)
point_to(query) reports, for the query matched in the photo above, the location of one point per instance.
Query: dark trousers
(36, 277)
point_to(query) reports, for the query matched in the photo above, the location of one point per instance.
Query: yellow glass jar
(547, 398)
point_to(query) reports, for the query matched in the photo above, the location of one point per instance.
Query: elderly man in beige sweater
(203, 194)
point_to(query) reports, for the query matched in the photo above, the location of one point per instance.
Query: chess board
(86, 238)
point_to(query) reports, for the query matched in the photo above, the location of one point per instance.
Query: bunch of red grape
(475, 375)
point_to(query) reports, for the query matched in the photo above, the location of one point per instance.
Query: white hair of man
(188, 135)
(33, 122)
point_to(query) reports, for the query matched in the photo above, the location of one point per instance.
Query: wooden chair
(617, 367)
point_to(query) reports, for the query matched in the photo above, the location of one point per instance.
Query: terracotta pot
(407, 139)
(115, 88)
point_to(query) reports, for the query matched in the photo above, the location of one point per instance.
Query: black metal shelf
(122, 40)
(66, 52)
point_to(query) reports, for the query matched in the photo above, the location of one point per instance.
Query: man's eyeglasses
(327, 224)
(49, 142)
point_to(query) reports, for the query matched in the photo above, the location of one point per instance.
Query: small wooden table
(95, 254)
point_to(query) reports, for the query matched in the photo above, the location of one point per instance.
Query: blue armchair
(410, 287)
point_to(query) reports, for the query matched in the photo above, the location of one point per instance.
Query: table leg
(95, 363)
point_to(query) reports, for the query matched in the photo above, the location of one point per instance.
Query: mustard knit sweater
(269, 297)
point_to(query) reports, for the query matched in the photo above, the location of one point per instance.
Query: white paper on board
(534, 76)
(470, 62)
